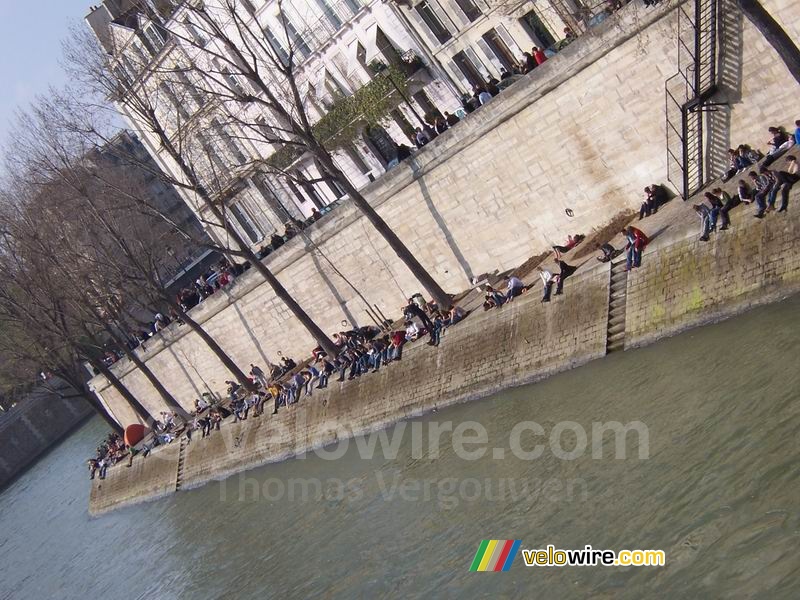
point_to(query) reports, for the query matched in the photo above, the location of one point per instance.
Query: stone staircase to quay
(617, 297)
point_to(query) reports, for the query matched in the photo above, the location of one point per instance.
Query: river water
(711, 476)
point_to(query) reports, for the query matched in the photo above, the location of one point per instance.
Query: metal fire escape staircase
(688, 95)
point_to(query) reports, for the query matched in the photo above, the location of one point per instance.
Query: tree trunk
(126, 394)
(168, 398)
(80, 387)
(226, 360)
(316, 332)
(774, 34)
(404, 254)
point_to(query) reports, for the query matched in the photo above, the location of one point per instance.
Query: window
(433, 22)
(244, 222)
(176, 103)
(310, 190)
(187, 84)
(229, 142)
(194, 33)
(357, 159)
(537, 30)
(211, 153)
(232, 82)
(500, 49)
(248, 6)
(296, 41)
(399, 118)
(333, 184)
(329, 13)
(428, 107)
(470, 9)
(280, 52)
(468, 68)
(156, 36)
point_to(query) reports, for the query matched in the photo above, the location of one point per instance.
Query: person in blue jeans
(633, 255)
(705, 220)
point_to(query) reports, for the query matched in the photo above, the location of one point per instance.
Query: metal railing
(687, 96)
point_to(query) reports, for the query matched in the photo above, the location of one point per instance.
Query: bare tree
(249, 74)
(88, 61)
(774, 33)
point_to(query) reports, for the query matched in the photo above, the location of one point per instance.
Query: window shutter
(509, 40)
(459, 75)
(489, 54)
(479, 64)
(461, 20)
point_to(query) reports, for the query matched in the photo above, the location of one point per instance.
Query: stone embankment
(682, 283)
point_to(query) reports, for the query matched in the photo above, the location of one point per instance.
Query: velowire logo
(495, 555)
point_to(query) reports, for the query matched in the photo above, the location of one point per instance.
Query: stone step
(616, 303)
(614, 337)
(616, 318)
(616, 329)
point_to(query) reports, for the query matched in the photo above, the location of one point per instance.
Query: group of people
(110, 451)
(762, 186)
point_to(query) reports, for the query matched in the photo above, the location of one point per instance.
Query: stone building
(336, 50)
(127, 157)
(474, 39)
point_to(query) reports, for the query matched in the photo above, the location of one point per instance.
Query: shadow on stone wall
(253, 338)
(441, 224)
(729, 74)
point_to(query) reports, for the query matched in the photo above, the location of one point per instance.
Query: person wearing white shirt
(484, 97)
(547, 283)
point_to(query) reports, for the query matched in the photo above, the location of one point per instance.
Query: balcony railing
(332, 20)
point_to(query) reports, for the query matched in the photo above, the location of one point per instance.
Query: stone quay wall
(516, 344)
(694, 282)
(585, 132)
(33, 426)
(682, 283)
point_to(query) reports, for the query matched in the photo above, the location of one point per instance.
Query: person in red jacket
(636, 242)
(539, 55)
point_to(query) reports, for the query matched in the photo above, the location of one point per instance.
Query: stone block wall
(148, 478)
(33, 426)
(690, 282)
(517, 344)
(585, 132)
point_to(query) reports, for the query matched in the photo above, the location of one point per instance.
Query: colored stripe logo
(495, 555)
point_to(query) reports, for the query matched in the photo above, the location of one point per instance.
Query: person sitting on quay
(326, 367)
(451, 119)
(455, 315)
(572, 241)
(421, 138)
(398, 339)
(783, 182)
(514, 287)
(493, 298)
(725, 202)
(704, 213)
(483, 95)
(779, 142)
(763, 183)
(609, 253)
(205, 425)
(412, 310)
(413, 331)
(565, 271)
(258, 376)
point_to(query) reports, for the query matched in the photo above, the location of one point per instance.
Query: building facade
(166, 57)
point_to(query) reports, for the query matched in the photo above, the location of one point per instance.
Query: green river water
(712, 477)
